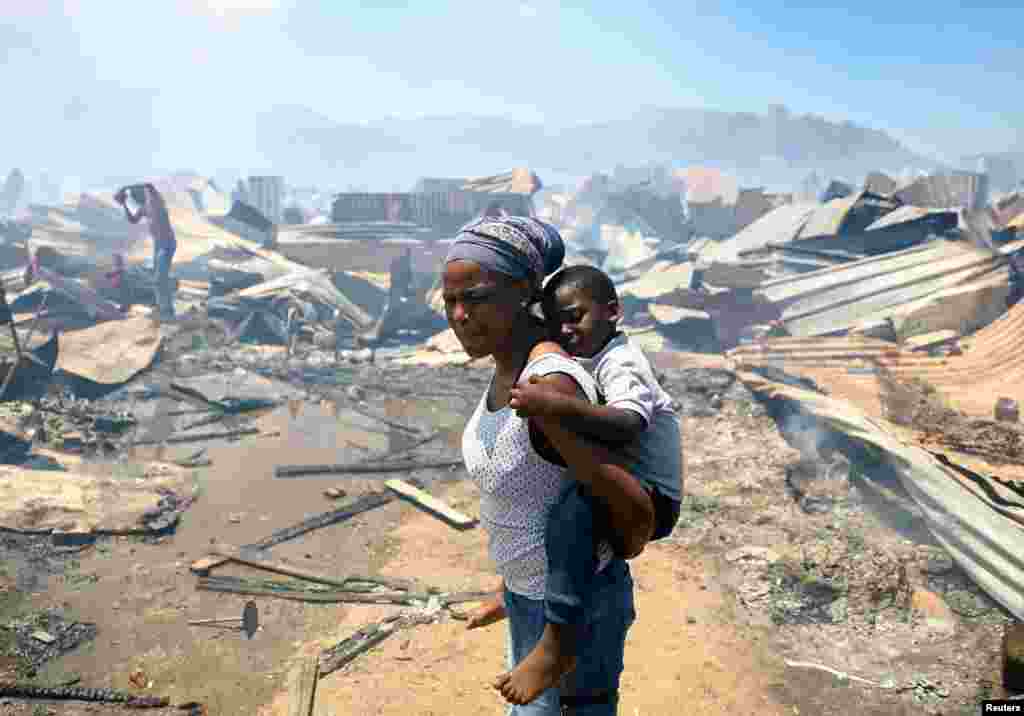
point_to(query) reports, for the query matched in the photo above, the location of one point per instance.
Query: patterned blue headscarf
(520, 247)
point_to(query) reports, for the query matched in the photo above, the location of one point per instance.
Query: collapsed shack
(237, 277)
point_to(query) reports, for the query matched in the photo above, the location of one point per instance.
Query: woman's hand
(490, 612)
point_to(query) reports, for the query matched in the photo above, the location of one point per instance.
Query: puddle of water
(143, 594)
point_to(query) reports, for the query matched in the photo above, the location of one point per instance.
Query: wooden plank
(205, 564)
(925, 341)
(236, 555)
(302, 686)
(199, 437)
(211, 584)
(366, 502)
(362, 641)
(223, 552)
(430, 504)
(364, 469)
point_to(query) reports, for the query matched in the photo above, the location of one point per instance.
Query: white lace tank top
(518, 487)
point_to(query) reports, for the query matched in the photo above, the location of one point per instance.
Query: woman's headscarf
(517, 246)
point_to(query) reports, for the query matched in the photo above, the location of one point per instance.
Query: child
(582, 309)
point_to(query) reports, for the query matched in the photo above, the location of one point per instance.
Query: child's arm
(603, 423)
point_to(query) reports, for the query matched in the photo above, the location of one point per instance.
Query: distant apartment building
(266, 193)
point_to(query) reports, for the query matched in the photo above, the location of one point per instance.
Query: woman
(491, 280)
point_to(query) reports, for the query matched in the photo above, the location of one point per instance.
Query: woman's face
(481, 306)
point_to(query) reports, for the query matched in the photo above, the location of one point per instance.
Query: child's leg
(571, 546)
(570, 543)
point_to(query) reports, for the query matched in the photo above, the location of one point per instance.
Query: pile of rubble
(899, 300)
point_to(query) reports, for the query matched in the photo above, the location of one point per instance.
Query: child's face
(579, 323)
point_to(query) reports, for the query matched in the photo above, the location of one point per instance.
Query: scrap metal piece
(249, 622)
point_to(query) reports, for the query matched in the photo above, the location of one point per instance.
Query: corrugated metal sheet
(829, 317)
(1008, 209)
(804, 352)
(751, 205)
(965, 308)
(827, 218)
(820, 281)
(908, 214)
(851, 214)
(663, 278)
(355, 231)
(881, 183)
(941, 191)
(779, 225)
(449, 210)
(836, 299)
(518, 181)
(872, 243)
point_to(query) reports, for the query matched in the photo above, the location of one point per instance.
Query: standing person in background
(152, 207)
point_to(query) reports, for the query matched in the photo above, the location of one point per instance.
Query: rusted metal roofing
(991, 365)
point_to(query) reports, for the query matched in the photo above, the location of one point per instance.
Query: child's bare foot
(542, 669)
(490, 612)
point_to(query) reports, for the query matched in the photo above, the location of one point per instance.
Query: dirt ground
(777, 558)
(442, 668)
(710, 638)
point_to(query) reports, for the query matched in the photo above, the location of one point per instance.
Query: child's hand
(533, 400)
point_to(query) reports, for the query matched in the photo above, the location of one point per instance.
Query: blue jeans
(570, 543)
(575, 526)
(592, 689)
(163, 255)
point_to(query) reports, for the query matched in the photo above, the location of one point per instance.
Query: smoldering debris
(44, 636)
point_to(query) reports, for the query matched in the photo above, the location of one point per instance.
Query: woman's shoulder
(548, 357)
(547, 348)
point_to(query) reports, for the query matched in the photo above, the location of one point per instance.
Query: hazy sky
(156, 84)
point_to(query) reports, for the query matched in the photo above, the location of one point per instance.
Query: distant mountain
(773, 147)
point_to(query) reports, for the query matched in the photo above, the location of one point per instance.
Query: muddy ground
(779, 557)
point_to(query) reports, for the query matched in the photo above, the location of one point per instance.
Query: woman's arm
(490, 611)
